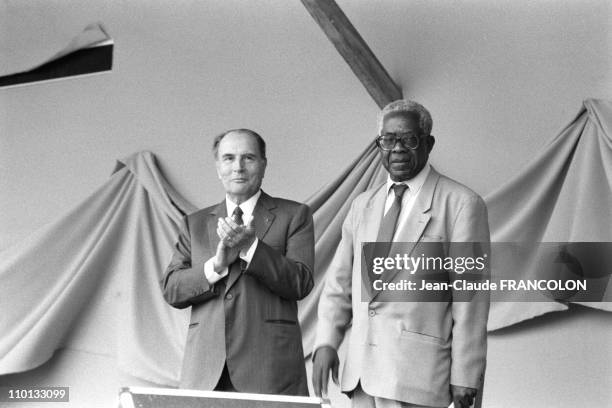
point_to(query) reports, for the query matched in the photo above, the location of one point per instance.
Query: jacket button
(229, 296)
(372, 313)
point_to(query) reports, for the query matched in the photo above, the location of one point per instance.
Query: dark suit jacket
(249, 319)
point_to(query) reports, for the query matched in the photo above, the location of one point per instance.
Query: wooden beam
(354, 50)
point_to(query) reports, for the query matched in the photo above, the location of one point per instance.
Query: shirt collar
(247, 207)
(415, 183)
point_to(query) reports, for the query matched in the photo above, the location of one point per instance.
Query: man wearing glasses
(403, 353)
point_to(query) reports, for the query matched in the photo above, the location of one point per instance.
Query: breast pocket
(431, 246)
(280, 248)
(432, 238)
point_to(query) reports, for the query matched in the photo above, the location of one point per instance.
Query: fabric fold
(330, 205)
(106, 253)
(563, 195)
(105, 257)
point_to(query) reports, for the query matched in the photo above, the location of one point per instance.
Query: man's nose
(238, 165)
(399, 147)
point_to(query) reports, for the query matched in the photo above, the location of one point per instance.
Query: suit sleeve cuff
(318, 346)
(209, 271)
(332, 339)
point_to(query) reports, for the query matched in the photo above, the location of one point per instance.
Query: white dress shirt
(247, 208)
(409, 197)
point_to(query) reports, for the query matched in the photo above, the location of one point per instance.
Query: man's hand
(224, 256)
(325, 359)
(234, 235)
(463, 397)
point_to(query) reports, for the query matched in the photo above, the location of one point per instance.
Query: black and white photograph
(305, 203)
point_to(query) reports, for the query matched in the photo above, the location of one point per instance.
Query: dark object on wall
(90, 52)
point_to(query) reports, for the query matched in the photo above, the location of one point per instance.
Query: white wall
(558, 360)
(500, 78)
(184, 71)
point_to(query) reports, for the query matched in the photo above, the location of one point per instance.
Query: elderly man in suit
(403, 354)
(241, 266)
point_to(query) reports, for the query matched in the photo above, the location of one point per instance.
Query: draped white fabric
(563, 195)
(111, 246)
(100, 263)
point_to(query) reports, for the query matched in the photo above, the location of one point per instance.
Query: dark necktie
(386, 231)
(237, 216)
(389, 221)
(238, 264)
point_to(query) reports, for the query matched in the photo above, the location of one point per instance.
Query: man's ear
(217, 169)
(430, 141)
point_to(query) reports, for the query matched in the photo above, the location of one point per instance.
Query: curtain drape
(563, 195)
(100, 263)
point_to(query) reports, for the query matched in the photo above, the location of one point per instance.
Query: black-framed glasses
(409, 140)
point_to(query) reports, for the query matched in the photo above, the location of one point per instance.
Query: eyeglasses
(387, 141)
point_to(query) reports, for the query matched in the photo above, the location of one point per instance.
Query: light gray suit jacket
(407, 351)
(248, 320)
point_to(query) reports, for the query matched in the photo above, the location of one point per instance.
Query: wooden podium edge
(126, 401)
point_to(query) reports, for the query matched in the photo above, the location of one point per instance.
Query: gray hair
(260, 142)
(408, 107)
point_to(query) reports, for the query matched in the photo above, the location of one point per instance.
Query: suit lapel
(262, 220)
(418, 219)
(373, 214)
(220, 211)
(263, 217)
(420, 215)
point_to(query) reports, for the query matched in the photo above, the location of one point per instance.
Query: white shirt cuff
(248, 254)
(209, 271)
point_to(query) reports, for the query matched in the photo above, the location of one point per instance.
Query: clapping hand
(224, 256)
(233, 238)
(235, 235)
